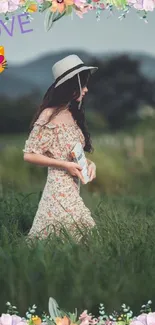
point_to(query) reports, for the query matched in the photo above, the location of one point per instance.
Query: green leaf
(69, 10)
(57, 16)
(50, 18)
(45, 6)
(53, 308)
(48, 22)
(118, 3)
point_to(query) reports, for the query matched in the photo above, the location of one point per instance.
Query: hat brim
(74, 73)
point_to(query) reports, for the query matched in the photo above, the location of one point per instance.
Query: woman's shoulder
(44, 116)
(46, 113)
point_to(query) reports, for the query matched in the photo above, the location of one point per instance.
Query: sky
(108, 35)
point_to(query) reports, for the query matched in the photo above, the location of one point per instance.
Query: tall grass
(114, 264)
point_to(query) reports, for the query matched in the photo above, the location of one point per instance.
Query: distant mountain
(21, 80)
(24, 79)
(14, 85)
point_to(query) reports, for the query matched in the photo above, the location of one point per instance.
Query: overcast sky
(130, 34)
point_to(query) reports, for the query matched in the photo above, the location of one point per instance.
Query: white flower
(123, 306)
(34, 306)
(149, 302)
(28, 315)
(8, 303)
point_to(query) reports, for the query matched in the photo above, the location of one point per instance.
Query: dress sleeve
(40, 138)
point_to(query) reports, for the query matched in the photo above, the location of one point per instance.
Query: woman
(57, 127)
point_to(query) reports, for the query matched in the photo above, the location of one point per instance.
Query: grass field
(115, 264)
(125, 164)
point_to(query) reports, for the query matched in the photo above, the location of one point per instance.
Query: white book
(79, 157)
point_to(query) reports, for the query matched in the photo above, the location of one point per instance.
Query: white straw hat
(68, 67)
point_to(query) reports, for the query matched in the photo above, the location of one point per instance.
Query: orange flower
(1, 68)
(22, 2)
(36, 320)
(60, 5)
(32, 8)
(62, 321)
(58, 320)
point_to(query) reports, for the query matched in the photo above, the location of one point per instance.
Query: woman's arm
(44, 161)
(89, 161)
(91, 169)
(41, 160)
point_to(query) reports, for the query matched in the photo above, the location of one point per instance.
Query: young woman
(55, 130)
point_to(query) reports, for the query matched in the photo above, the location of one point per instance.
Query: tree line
(117, 90)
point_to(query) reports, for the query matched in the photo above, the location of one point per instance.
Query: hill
(24, 79)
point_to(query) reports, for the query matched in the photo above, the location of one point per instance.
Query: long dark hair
(65, 94)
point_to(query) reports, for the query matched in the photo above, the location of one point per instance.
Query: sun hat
(69, 67)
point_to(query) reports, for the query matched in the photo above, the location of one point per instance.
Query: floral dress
(61, 204)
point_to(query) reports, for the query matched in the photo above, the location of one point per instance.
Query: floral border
(59, 317)
(56, 9)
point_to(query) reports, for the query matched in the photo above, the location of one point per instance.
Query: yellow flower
(36, 320)
(32, 8)
(1, 68)
(61, 5)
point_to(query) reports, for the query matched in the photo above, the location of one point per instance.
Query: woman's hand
(74, 169)
(91, 171)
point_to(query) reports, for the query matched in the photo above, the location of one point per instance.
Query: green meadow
(113, 265)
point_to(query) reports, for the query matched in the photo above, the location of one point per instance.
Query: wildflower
(62, 321)
(13, 5)
(144, 319)
(6, 319)
(147, 5)
(32, 8)
(82, 10)
(86, 319)
(60, 5)
(3, 6)
(36, 320)
(80, 3)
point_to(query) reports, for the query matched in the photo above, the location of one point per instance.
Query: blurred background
(120, 110)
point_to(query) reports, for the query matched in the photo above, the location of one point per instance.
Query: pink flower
(82, 10)
(3, 6)
(13, 5)
(7, 319)
(144, 319)
(87, 319)
(147, 5)
(9, 5)
(79, 3)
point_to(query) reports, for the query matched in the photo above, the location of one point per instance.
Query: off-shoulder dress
(61, 204)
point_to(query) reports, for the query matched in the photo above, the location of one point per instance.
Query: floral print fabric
(61, 204)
